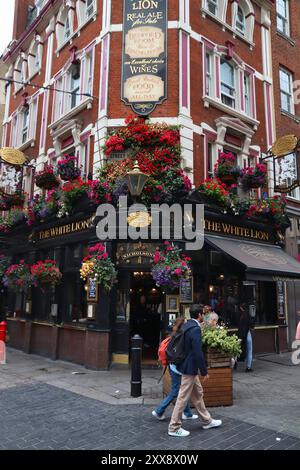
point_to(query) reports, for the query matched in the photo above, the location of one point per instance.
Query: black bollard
(136, 366)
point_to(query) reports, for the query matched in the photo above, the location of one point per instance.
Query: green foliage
(219, 339)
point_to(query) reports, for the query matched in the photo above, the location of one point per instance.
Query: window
(67, 30)
(58, 108)
(90, 7)
(227, 84)
(283, 20)
(210, 165)
(286, 91)
(35, 57)
(19, 74)
(208, 85)
(240, 23)
(64, 25)
(74, 77)
(247, 94)
(25, 125)
(212, 6)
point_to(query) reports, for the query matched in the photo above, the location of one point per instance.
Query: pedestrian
(175, 376)
(298, 327)
(244, 333)
(191, 387)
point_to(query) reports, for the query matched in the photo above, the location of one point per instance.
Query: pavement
(48, 404)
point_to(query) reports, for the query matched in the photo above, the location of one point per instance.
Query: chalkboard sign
(92, 290)
(186, 291)
(281, 300)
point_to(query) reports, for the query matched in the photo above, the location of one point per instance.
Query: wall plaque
(144, 62)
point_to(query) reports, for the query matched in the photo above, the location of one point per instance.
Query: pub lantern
(136, 180)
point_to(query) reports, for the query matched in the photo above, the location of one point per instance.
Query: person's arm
(196, 342)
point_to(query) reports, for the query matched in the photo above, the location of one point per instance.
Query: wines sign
(144, 61)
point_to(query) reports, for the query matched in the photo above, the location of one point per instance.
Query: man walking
(191, 387)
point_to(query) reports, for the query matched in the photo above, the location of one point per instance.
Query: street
(57, 405)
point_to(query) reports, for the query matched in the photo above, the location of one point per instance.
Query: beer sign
(144, 61)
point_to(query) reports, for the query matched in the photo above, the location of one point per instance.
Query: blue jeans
(175, 386)
(249, 350)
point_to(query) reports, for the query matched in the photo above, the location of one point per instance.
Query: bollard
(136, 366)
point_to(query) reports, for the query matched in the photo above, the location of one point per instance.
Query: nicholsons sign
(144, 64)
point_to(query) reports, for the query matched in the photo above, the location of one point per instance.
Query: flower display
(46, 178)
(7, 201)
(4, 264)
(254, 177)
(215, 190)
(170, 266)
(66, 168)
(17, 277)
(45, 272)
(72, 191)
(13, 218)
(273, 208)
(97, 265)
(226, 168)
(42, 207)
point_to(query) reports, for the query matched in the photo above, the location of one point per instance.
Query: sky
(6, 22)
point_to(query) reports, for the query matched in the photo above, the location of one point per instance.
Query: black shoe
(248, 369)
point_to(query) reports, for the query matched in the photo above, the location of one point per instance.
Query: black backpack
(175, 351)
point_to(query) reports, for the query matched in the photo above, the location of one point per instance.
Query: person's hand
(205, 378)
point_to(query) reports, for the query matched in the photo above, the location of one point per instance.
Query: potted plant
(213, 191)
(46, 178)
(45, 273)
(254, 177)
(226, 169)
(7, 201)
(75, 192)
(67, 168)
(98, 266)
(170, 267)
(17, 277)
(219, 346)
(273, 208)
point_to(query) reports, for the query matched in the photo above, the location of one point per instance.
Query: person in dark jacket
(191, 387)
(245, 323)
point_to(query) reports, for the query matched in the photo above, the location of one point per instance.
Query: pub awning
(261, 261)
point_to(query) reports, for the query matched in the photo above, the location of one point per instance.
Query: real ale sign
(144, 64)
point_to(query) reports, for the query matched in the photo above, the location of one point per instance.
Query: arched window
(217, 8)
(240, 23)
(65, 24)
(20, 73)
(243, 18)
(35, 57)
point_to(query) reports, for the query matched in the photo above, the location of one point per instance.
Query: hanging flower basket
(7, 201)
(226, 169)
(98, 266)
(254, 177)
(45, 273)
(67, 169)
(17, 277)
(170, 267)
(46, 178)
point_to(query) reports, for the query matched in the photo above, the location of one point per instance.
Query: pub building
(241, 260)
(206, 68)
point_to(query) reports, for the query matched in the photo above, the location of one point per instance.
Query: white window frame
(230, 86)
(289, 93)
(247, 94)
(212, 4)
(90, 8)
(25, 125)
(240, 24)
(208, 73)
(285, 19)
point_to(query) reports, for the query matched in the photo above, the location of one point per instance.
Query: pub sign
(144, 61)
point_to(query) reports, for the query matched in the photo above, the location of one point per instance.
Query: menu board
(186, 291)
(281, 300)
(92, 290)
(144, 60)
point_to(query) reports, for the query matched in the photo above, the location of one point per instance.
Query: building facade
(63, 96)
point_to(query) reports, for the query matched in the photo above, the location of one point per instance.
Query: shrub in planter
(218, 339)
(46, 179)
(170, 267)
(97, 265)
(67, 169)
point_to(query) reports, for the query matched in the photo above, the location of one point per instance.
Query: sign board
(186, 291)
(286, 173)
(92, 290)
(281, 312)
(144, 60)
(284, 145)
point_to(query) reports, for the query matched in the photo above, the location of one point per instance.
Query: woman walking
(175, 375)
(244, 333)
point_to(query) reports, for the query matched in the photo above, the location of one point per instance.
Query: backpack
(175, 351)
(162, 351)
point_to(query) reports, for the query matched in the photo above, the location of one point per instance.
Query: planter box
(217, 359)
(218, 390)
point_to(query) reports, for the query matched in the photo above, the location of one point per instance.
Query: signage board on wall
(144, 60)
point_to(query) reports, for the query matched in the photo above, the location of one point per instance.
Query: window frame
(285, 19)
(232, 86)
(289, 94)
(214, 4)
(238, 22)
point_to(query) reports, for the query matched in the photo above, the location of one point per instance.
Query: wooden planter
(218, 390)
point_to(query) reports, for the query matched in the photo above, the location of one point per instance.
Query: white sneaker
(184, 416)
(160, 418)
(215, 423)
(179, 433)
